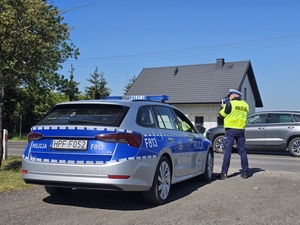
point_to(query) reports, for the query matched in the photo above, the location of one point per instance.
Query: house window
(245, 94)
(220, 120)
(199, 120)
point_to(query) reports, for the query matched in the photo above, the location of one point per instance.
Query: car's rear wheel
(294, 147)
(209, 166)
(161, 186)
(218, 144)
(57, 191)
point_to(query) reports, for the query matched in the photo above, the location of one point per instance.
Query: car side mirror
(201, 129)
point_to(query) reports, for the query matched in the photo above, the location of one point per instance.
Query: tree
(129, 84)
(11, 114)
(34, 42)
(98, 90)
(34, 106)
(70, 87)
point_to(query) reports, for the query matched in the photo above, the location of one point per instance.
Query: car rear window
(85, 114)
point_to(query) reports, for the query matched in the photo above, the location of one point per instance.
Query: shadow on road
(251, 172)
(130, 200)
(122, 200)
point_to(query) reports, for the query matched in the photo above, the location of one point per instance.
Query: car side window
(183, 123)
(145, 117)
(257, 119)
(280, 118)
(165, 117)
(285, 118)
(296, 117)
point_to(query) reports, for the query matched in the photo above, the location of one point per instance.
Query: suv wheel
(218, 144)
(294, 147)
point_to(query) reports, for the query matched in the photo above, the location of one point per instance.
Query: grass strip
(10, 175)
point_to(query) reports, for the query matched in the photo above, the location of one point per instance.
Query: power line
(257, 43)
(76, 7)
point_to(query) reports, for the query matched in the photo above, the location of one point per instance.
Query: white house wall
(208, 112)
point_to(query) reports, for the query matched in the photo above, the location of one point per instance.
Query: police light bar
(114, 97)
(140, 97)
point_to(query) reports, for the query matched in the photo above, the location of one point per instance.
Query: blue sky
(121, 37)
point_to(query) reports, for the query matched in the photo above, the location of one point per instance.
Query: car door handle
(171, 140)
(290, 127)
(261, 128)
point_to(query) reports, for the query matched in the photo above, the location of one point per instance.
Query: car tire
(209, 166)
(294, 147)
(161, 186)
(218, 145)
(58, 191)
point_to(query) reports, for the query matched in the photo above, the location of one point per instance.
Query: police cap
(233, 91)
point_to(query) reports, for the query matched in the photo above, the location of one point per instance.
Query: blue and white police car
(139, 143)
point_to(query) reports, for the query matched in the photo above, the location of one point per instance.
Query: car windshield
(85, 114)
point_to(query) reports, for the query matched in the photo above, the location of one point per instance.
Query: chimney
(220, 63)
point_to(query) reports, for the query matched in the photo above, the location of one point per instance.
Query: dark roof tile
(201, 83)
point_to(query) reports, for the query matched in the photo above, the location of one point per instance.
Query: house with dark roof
(197, 90)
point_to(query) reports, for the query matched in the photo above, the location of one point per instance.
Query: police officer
(235, 113)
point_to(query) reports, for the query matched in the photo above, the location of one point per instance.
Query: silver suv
(275, 130)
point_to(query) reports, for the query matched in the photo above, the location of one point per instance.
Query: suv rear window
(85, 114)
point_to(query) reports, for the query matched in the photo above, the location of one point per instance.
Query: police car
(139, 143)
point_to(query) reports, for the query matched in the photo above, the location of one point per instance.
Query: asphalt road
(270, 196)
(16, 147)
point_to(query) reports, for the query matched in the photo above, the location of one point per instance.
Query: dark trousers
(239, 136)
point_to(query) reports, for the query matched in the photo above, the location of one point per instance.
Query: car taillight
(134, 140)
(34, 136)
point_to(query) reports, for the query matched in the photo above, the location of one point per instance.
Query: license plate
(70, 144)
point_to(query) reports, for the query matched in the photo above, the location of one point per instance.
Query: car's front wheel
(161, 186)
(294, 147)
(218, 145)
(57, 191)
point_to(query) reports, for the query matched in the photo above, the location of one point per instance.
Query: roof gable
(201, 83)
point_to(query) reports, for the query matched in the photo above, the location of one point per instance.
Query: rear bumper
(108, 187)
(141, 172)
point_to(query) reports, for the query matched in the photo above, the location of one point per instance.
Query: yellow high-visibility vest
(237, 118)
